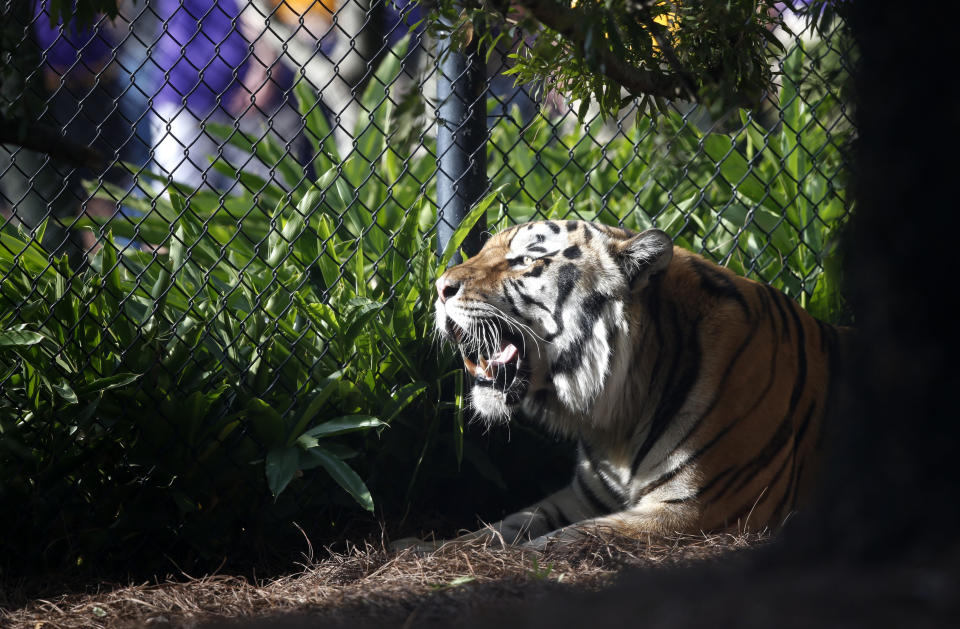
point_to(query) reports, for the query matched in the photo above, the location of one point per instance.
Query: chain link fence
(217, 256)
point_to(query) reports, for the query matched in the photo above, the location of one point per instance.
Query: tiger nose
(446, 289)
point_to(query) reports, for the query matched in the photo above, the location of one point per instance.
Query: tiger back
(696, 396)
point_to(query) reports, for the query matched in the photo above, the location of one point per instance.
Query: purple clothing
(400, 19)
(201, 51)
(65, 47)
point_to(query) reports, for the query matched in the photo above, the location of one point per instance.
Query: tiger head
(541, 314)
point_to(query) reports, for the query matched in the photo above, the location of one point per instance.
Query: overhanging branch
(570, 23)
(46, 139)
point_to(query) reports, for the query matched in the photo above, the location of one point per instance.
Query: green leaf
(327, 258)
(109, 266)
(110, 382)
(734, 167)
(458, 432)
(331, 384)
(30, 253)
(456, 239)
(396, 350)
(20, 338)
(277, 246)
(342, 425)
(267, 423)
(64, 390)
(385, 75)
(311, 108)
(402, 398)
(343, 474)
(362, 311)
(320, 315)
(281, 466)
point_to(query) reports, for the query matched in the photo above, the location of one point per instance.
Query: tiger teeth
(485, 368)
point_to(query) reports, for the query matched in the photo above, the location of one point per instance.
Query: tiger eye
(527, 260)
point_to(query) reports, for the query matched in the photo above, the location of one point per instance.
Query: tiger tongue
(489, 366)
(505, 355)
(484, 367)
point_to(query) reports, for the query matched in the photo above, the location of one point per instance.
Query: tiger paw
(415, 545)
(555, 539)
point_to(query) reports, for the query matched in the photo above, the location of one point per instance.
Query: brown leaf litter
(370, 584)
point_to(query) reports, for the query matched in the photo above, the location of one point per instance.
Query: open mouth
(500, 368)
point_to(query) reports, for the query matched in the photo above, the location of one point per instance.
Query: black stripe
(595, 503)
(616, 492)
(553, 226)
(767, 311)
(662, 479)
(587, 453)
(538, 401)
(564, 518)
(549, 517)
(775, 296)
(653, 307)
(726, 429)
(537, 249)
(797, 441)
(512, 236)
(787, 491)
(525, 298)
(574, 355)
(777, 443)
(722, 385)
(713, 481)
(801, 381)
(718, 285)
(509, 299)
(567, 276)
(683, 377)
(748, 472)
(571, 226)
(791, 491)
(754, 502)
(721, 388)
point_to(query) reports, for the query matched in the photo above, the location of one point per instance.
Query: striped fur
(696, 396)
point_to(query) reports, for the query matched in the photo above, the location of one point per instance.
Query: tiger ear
(644, 255)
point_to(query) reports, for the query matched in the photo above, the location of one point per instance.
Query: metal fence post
(461, 143)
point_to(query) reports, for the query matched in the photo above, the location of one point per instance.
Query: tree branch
(570, 23)
(46, 139)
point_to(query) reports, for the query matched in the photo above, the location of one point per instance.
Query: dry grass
(371, 585)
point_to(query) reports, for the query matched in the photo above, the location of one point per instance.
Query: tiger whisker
(516, 325)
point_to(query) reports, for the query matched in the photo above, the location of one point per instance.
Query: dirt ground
(689, 582)
(369, 586)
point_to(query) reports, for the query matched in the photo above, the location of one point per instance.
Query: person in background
(79, 99)
(199, 59)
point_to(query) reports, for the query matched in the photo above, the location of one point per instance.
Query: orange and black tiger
(697, 397)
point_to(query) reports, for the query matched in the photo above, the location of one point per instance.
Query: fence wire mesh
(218, 241)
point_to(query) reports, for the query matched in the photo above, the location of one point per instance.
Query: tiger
(696, 397)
